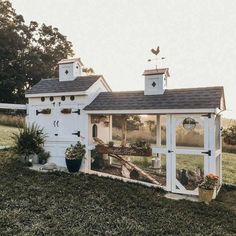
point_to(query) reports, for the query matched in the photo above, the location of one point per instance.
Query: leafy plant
(210, 182)
(140, 144)
(75, 152)
(29, 140)
(111, 144)
(229, 135)
(43, 156)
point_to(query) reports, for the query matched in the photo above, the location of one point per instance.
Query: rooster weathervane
(156, 52)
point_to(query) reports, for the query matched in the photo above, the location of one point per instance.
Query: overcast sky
(198, 39)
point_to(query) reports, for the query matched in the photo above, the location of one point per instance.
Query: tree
(229, 135)
(126, 122)
(27, 53)
(151, 126)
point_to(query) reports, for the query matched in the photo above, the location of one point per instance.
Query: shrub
(29, 140)
(229, 135)
(43, 157)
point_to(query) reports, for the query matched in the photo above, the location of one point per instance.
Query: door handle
(208, 153)
(58, 123)
(169, 151)
(54, 123)
(77, 133)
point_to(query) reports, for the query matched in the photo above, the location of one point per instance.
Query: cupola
(69, 69)
(155, 81)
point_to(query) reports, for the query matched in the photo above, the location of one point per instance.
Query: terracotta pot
(205, 195)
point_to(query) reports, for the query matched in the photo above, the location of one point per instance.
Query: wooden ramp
(122, 159)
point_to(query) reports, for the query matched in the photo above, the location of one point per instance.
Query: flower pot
(205, 195)
(73, 165)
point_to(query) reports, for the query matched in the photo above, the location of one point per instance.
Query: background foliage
(28, 53)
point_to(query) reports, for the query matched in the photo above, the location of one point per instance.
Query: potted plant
(207, 187)
(74, 155)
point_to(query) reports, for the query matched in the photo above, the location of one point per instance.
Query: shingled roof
(190, 98)
(79, 84)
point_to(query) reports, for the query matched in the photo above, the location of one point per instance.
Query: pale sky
(114, 37)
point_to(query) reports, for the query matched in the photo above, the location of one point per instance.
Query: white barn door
(188, 152)
(45, 121)
(69, 123)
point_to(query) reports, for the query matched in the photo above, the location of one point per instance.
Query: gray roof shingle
(191, 98)
(79, 84)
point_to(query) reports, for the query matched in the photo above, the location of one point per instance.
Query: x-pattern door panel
(189, 152)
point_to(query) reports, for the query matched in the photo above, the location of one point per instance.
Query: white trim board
(36, 95)
(154, 111)
(126, 179)
(13, 106)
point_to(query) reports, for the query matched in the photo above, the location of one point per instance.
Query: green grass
(57, 203)
(229, 168)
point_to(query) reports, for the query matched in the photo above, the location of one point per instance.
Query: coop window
(42, 99)
(63, 98)
(51, 99)
(72, 98)
(95, 131)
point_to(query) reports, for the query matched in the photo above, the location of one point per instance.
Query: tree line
(28, 53)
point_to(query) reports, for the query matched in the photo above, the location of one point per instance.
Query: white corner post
(211, 136)
(110, 127)
(110, 135)
(86, 165)
(220, 167)
(157, 160)
(169, 169)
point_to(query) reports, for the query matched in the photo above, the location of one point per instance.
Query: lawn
(57, 203)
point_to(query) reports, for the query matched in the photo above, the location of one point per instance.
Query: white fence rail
(13, 106)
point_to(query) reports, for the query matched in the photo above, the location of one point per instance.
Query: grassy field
(59, 203)
(5, 135)
(229, 159)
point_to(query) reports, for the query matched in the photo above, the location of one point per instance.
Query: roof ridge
(193, 88)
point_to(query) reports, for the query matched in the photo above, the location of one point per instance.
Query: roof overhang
(71, 60)
(154, 111)
(105, 84)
